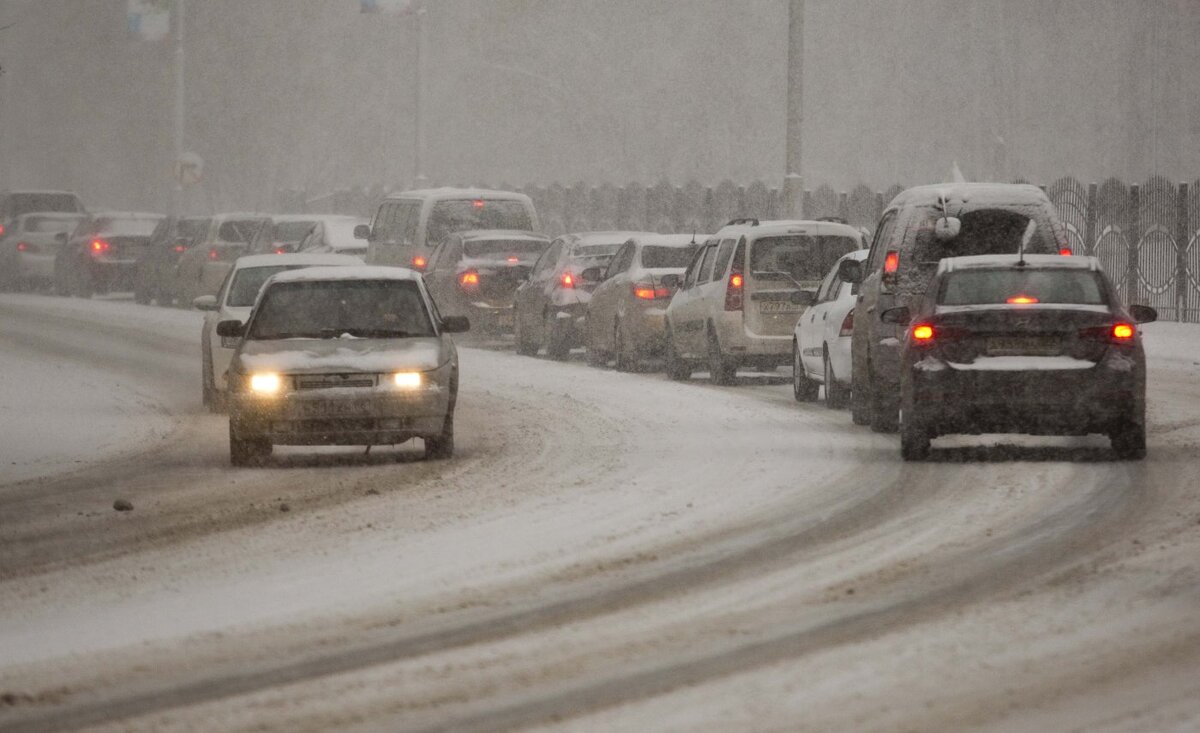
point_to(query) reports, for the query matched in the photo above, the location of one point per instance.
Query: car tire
(914, 437)
(1128, 440)
(524, 346)
(625, 358)
(441, 446)
(837, 396)
(557, 347)
(678, 368)
(247, 451)
(721, 371)
(803, 388)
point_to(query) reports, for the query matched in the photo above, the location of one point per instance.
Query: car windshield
(502, 248)
(24, 203)
(659, 256)
(247, 281)
(800, 257)
(341, 308)
(50, 224)
(448, 217)
(1021, 286)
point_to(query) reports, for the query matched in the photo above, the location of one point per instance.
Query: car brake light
(1, 230)
(568, 280)
(22, 246)
(922, 332)
(648, 291)
(1022, 300)
(891, 262)
(99, 246)
(733, 292)
(514, 260)
(179, 248)
(1065, 251)
(469, 280)
(736, 280)
(213, 254)
(477, 203)
(419, 262)
(280, 250)
(847, 328)
(1122, 331)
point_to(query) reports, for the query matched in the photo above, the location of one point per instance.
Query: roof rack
(833, 219)
(744, 220)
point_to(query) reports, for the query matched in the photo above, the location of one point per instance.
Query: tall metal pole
(177, 206)
(418, 113)
(793, 180)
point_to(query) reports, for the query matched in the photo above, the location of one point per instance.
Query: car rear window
(337, 308)
(501, 248)
(460, 215)
(24, 203)
(659, 256)
(801, 257)
(983, 232)
(583, 251)
(1011, 285)
(50, 224)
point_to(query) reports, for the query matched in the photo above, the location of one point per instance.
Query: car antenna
(693, 233)
(1030, 228)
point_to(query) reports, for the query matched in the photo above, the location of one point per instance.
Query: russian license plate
(1022, 346)
(779, 306)
(333, 408)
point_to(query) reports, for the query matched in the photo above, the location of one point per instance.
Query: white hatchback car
(821, 340)
(233, 302)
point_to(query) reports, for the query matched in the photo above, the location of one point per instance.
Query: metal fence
(1144, 234)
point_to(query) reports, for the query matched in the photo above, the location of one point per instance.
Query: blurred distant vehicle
(334, 235)
(155, 278)
(744, 291)
(203, 266)
(476, 274)
(281, 233)
(102, 253)
(626, 317)
(408, 225)
(29, 247)
(233, 302)
(1038, 344)
(342, 356)
(550, 307)
(821, 340)
(16, 203)
(918, 228)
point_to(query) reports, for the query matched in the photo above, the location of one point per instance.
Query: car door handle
(825, 316)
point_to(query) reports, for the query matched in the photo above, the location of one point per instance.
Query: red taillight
(648, 291)
(280, 251)
(419, 262)
(1123, 331)
(477, 203)
(1022, 300)
(736, 280)
(847, 328)
(1, 230)
(179, 248)
(99, 246)
(213, 254)
(469, 280)
(922, 332)
(1065, 251)
(733, 292)
(891, 263)
(22, 246)
(514, 260)
(567, 280)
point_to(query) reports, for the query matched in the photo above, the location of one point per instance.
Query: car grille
(332, 381)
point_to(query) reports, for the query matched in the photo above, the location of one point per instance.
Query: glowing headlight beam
(268, 383)
(407, 380)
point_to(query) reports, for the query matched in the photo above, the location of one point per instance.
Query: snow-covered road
(607, 552)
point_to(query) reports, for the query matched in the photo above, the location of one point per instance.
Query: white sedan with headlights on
(233, 303)
(342, 356)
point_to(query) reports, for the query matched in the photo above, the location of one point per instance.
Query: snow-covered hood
(315, 356)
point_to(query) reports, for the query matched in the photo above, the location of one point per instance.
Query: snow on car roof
(326, 218)
(977, 194)
(605, 237)
(300, 258)
(669, 240)
(447, 192)
(502, 234)
(1073, 262)
(351, 272)
(777, 227)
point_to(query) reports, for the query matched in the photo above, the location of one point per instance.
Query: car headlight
(266, 383)
(408, 380)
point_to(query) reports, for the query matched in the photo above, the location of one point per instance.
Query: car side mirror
(231, 329)
(362, 231)
(592, 275)
(899, 316)
(1143, 313)
(850, 271)
(804, 297)
(671, 281)
(455, 324)
(205, 303)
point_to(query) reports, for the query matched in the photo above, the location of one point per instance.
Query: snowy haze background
(312, 94)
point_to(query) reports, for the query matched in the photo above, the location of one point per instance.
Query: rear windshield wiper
(780, 273)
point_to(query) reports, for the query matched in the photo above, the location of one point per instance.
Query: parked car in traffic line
(476, 274)
(744, 291)
(408, 225)
(550, 307)
(342, 356)
(203, 267)
(918, 228)
(626, 316)
(16, 203)
(102, 253)
(1038, 344)
(155, 273)
(233, 302)
(821, 340)
(334, 235)
(29, 247)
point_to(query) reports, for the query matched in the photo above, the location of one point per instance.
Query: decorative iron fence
(1146, 235)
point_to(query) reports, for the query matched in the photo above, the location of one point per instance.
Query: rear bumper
(646, 328)
(752, 348)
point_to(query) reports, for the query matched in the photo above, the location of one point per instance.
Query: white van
(410, 224)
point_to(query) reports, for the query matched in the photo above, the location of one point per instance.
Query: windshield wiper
(779, 272)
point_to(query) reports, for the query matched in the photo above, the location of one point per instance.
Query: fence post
(1182, 282)
(1132, 294)
(807, 206)
(1089, 222)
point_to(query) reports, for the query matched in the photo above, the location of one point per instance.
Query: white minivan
(408, 225)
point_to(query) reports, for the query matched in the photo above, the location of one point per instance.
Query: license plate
(1022, 346)
(504, 320)
(333, 408)
(779, 306)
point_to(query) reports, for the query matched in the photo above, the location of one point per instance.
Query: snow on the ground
(1167, 341)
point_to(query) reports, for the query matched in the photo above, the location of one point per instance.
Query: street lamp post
(177, 206)
(418, 112)
(793, 180)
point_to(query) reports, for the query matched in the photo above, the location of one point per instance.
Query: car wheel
(557, 347)
(837, 396)
(678, 369)
(441, 446)
(721, 371)
(525, 346)
(626, 359)
(247, 451)
(1128, 440)
(803, 388)
(914, 437)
